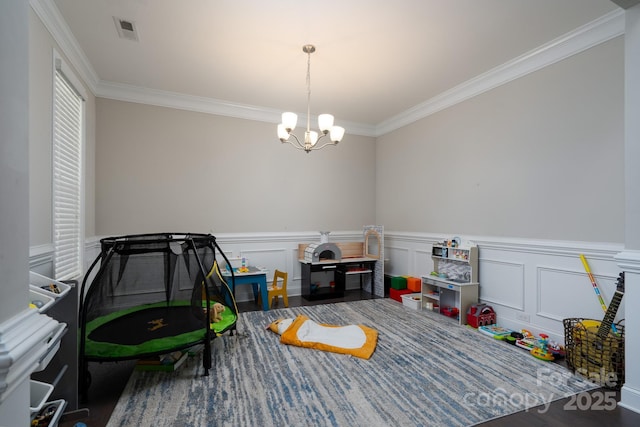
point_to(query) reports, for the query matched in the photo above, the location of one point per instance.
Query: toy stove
(316, 252)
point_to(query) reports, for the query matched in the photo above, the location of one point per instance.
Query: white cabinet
(453, 285)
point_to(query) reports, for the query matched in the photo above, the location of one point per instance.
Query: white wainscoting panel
(270, 258)
(398, 264)
(423, 262)
(559, 291)
(502, 283)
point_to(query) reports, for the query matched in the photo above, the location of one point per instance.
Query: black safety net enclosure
(153, 294)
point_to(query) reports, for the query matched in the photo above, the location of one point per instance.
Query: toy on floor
(354, 340)
(480, 315)
(527, 342)
(541, 349)
(557, 350)
(513, 337)
(495, 331)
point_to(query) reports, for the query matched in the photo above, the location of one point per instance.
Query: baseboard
(630, 399)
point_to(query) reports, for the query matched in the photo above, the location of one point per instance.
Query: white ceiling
(375, 59)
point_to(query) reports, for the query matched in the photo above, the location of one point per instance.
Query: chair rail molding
(629, 260)
(39, 256)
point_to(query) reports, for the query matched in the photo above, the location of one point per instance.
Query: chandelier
(325, 121)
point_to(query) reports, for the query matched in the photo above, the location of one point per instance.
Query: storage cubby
(453, 285)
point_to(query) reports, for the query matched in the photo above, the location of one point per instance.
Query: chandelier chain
(308, 91)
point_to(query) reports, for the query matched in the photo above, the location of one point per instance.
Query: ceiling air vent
(126, 29)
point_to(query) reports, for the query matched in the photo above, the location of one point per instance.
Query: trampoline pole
(206, 357)
(206, 353)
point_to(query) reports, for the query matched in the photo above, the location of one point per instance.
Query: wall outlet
(523, 317)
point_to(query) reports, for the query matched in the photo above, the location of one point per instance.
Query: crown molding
(141, 95)
(50, 16)
(598, 31)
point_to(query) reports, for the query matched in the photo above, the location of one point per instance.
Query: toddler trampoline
(153, 294)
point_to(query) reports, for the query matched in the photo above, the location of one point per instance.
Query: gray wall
(539, 157)
(162, 169)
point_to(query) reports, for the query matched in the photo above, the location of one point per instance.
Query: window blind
(67, 179)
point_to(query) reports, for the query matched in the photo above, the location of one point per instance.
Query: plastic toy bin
(412, 301)
(40, 392)
(52, 341)
(45, 300)
(600, 360)
(45, 285)
(50, 413)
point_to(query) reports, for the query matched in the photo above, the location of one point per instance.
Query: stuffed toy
(215, 312)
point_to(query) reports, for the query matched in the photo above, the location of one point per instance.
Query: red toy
(480, 315)
(396, 294)
(450, 311)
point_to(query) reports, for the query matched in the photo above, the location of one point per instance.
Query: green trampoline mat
(148, 329)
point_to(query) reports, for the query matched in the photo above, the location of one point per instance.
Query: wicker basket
(599, 360)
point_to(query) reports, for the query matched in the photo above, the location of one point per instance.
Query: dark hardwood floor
(595, 410)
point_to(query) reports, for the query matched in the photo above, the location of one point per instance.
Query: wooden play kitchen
(325, 266)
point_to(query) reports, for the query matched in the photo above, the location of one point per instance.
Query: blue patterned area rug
(426, 371)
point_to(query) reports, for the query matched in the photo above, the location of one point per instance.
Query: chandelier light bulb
(325, 123)
(337, 132)
(283, 135)
(289, 120)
